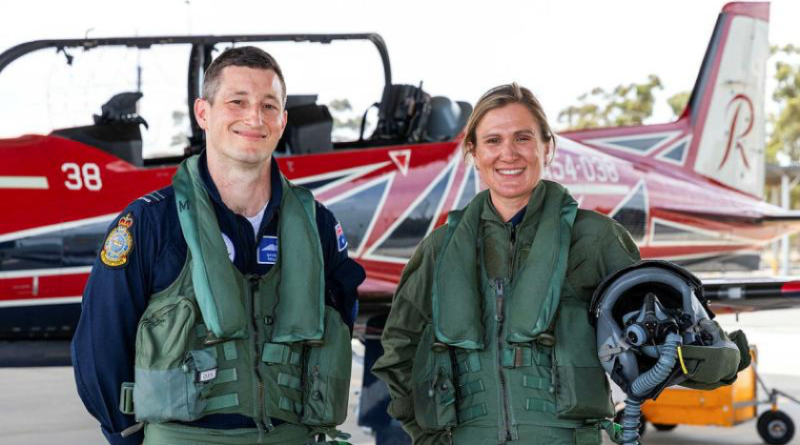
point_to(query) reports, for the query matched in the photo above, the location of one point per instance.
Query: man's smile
(250, 134)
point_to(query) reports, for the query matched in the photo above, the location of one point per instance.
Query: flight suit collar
(276, 186)
(532, 209)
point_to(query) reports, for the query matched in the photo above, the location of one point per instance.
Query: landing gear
(775, 427)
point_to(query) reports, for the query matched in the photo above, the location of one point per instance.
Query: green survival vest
(510, 347)
(217, 341)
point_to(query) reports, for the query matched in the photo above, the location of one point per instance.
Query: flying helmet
(636, 308)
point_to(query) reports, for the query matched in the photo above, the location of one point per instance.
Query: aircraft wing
(751, 294)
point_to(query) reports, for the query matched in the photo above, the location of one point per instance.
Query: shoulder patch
(341, 239)
(118, 244)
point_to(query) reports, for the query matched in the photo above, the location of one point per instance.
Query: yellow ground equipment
(726, 406)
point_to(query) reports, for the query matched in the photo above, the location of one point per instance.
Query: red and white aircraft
(688, 191)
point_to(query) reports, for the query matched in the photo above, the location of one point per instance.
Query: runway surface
(39, 406)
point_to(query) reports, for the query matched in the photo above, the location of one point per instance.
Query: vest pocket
(175, 393)
(327, 375)
(433, 389)
(169, 381)
(582, 390)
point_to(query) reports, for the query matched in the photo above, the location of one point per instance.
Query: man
(228, 297)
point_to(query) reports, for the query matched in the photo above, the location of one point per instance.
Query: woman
(488, 340)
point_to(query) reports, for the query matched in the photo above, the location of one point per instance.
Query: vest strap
(280, 353)
(287, 404)
(539, 405)
(543, 359)
(126, 398)
(471, 388)
(276, 353)
(289, 381)
(229, 349)
(474, 411)
(534, 382)
(517, 357)
(222, 402)
(295, 358)
(226, 376)
(471, 364)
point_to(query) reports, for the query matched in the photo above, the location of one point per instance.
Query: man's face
(509, 151)
(245, 119)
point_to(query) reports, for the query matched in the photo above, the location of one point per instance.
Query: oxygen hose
(644, 384)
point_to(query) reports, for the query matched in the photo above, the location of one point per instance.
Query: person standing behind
(220, 309)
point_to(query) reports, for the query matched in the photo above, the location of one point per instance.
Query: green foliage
(785, 123)
(342, 113)
(678, 102)
(624, 105)
(340, 105)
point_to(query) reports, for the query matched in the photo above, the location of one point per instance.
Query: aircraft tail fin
(726, 109)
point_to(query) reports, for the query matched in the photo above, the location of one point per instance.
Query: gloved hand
(717, 364)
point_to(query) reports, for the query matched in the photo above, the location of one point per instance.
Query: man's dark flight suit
(116, 297)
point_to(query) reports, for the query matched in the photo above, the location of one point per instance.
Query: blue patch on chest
(268, 250)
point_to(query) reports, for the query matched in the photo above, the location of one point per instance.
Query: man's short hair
(246, 56)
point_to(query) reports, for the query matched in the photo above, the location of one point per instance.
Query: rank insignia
(118, 243)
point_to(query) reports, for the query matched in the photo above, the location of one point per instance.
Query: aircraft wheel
(775, 427)
(664, 426)
(642, 422)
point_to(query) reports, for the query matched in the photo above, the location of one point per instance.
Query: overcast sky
(559, 49)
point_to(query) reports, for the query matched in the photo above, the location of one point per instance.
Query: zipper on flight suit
(263, 421)
(512, 252)
(505, 433)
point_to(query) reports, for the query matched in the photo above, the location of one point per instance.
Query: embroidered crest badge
(118, 243)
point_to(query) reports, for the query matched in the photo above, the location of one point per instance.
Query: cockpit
(145, 123)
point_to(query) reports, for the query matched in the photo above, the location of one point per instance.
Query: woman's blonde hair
(499, 97)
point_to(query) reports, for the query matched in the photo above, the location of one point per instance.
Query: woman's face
(509, 152)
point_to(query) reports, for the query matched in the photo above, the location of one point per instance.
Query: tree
(678, 102)
(784, 134)
(342, 114)
(624, 105)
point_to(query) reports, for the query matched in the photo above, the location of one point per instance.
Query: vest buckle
(439, 347)
(212, 340)
(546, 339)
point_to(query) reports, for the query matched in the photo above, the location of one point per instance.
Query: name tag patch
(268, 250)
(205, 376)
(341, 240)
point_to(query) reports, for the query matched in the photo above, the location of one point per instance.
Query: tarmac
(40, 406)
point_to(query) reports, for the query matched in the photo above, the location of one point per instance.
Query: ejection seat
(446, 120)
(116, 130)
(309, 128)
